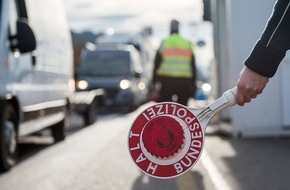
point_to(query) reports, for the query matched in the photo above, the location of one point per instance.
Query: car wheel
(59, 130)
(91, 113)
(8, 137)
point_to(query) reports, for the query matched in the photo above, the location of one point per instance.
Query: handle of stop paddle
(230, 96)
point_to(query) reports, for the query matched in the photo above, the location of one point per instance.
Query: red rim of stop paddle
(165, 140)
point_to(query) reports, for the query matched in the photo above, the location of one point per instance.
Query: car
(141, 41)
(117, 69)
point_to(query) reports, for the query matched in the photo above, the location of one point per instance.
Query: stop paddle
(167, 139)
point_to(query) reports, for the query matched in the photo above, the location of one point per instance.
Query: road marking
(213, 172)
(186, 182)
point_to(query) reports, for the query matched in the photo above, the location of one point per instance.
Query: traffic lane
(95, 157)
(57, 166)
(121, 169)
(121, 173)
(251, 164)
(35, 143)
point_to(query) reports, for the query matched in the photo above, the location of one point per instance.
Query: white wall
(285, 78)
(268, 114)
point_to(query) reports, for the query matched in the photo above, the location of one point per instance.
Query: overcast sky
(98, 15)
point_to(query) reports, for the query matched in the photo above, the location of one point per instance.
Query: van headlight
(72, 84)
(125, 84)
(82, 84)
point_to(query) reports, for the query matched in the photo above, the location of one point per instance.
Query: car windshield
(105, 63)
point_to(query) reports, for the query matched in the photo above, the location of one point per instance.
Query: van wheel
(59, 130)
(90, 115)
(8, 137)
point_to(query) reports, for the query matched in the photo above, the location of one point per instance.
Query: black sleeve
(193, 68)
(271, 48)
(157, 62)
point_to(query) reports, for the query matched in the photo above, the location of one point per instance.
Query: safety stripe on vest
(176, 52)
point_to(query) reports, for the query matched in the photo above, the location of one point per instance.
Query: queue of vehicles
(36, 75)
(121, 65)
(40, 87)
(117, 69)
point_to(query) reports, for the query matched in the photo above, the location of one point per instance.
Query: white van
(36, 67)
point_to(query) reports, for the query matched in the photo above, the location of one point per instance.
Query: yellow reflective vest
(176, 57)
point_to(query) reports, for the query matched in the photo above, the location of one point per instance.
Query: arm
(266, 55)
(157, 62)
(194, 74)
(193, 68)
(271, 48)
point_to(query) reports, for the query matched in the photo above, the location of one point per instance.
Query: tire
(8, 136)
(59, 130)
(90, 115)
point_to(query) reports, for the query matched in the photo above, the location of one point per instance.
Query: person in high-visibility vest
(175, 67)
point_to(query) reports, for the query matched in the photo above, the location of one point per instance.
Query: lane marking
(213, 172)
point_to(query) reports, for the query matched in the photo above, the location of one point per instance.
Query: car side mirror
(24, 41)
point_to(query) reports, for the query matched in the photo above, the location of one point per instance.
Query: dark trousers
(181, 88)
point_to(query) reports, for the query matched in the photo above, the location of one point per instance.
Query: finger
(240, 99)
(259, 91)
(254, 95)
(247, 98)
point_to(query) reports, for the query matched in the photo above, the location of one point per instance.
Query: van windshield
(105, 63)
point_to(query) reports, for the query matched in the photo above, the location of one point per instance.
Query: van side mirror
(24, 41)
(137, 75)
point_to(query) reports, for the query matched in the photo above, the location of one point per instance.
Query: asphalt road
(97, 158)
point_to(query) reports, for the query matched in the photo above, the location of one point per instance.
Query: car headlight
(82, 84)
(141, 85)
(125, 84)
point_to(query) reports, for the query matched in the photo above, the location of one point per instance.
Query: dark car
(117, 69)
(141, 41)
